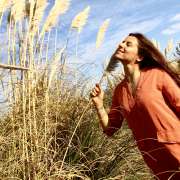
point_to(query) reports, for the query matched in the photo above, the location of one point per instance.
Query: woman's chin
(117, 57)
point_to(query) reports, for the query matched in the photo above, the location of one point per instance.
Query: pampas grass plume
(156, 43)
(4, 4)
(80, 19)
(101, 32)
(169, 45)
(54, 66)
(39, 12)
(60, 7)
(18, 10)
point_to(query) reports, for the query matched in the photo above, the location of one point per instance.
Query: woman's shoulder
(156, 76)
(154, 70)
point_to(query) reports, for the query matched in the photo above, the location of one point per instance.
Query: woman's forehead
(131, 39)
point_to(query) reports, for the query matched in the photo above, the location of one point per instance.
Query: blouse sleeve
(171, 91)
(115, 117)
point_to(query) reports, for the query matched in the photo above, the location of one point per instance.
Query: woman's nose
(120, 46)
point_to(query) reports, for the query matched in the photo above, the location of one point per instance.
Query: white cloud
(174, 28)
(175, 18)
(143, 26)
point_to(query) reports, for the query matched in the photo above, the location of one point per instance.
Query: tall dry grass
(60, 7)
(80, 19)
(48, 131)
(101, 33)
(90, 155)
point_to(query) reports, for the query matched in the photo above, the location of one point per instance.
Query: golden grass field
(48, 127)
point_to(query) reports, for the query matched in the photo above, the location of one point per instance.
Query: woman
(149, 99)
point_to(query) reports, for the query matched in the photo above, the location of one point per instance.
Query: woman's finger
(98, 87)
(94, 94)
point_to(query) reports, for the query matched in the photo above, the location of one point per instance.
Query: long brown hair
(152, 57)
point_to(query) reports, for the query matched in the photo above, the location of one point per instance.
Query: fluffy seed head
(39, 6)
(80, 19)
(18, 10)
(101, 32)
(60, 7)
(4, 4)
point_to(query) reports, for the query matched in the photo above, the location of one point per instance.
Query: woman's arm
(171, 91)
(103, 117)
(111, 121)
(97, 97)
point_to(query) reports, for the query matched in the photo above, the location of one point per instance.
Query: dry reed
(54, 66)
(156, 43)
(101, 32)
(18, 10)
(60, 7)
(13, 67)
(80, 19)
(169, 47)
(4, 4)
(39, 8)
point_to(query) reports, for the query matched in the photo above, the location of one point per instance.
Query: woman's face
(127, 51)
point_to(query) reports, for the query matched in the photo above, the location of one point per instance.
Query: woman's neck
(132, 72)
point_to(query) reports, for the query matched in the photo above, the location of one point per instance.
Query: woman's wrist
(100, 107)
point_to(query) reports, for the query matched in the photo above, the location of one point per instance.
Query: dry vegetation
(49, 129)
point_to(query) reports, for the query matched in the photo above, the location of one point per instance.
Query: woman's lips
(121, 51)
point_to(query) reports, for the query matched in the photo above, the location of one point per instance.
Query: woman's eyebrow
(126, 41)
(129, 42)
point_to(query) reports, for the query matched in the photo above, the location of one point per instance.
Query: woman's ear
(139, 59)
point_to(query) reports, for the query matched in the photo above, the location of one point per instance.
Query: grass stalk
(24, 141)
(77, 125)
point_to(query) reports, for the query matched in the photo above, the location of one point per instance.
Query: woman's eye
(129, 44)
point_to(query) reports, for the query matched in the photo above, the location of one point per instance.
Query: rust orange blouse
(153, 113)
(154, 110)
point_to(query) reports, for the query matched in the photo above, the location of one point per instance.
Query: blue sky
(158, 20)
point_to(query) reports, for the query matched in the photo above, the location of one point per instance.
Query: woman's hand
(97, 95)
